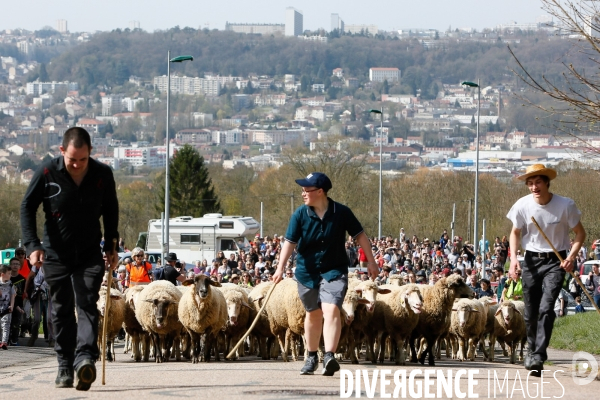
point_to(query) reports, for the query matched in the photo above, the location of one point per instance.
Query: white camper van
(202, 238)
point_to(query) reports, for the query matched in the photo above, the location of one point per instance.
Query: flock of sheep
(204, 318)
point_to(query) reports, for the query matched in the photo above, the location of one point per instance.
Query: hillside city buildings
(248, 120)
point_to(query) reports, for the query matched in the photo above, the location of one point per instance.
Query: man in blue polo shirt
(318, 231)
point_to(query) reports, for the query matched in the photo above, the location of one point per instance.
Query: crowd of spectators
(25, 302)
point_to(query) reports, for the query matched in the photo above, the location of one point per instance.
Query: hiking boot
(86, 374)
(330, 365)
(310, 366)
(64, 379)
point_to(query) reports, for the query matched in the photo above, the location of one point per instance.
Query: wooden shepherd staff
(106, 309)
(570, 272)
(232, 352)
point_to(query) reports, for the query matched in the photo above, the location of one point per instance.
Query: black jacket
(72, 231)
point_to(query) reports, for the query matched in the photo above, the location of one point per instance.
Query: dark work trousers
(74, 288)
(539, 303)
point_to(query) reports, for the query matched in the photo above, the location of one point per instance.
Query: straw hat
(537, 169)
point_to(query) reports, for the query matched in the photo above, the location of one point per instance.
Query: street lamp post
(380, 112)
(165, 249)
(475, 214)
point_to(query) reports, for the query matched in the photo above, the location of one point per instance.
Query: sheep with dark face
(156, 312)
(435, 316)
(358, 308)
(203, 311)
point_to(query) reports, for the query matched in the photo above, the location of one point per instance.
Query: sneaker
(64, 379)
(330, 365)
(86, 374)
(3, 346)
(310, 366)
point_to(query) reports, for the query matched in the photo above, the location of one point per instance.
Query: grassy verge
(579, 332)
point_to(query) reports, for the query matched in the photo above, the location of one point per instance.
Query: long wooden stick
(106, 310)
(570, 272)
(232, 352)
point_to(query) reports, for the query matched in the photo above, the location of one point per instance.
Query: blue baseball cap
(316, 179)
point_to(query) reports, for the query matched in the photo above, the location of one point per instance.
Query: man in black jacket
(75, 191)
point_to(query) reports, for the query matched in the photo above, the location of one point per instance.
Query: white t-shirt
(555, 218)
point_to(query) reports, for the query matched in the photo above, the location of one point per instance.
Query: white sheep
(203, 311)
(509, 326)
(286, 312)
(116, 316)
(489, 329)
(467, 325)
(262, 332)
(238, 312)
(140, 339)
(396, 280)
(156, 311)
(396, 315)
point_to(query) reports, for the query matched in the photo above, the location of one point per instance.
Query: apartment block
(382, 74)
(112, 104)
(293, 22)
(256, 29)
(36, 88)
(187, 85)
(337, 23)
(357, 29)
(151, 157)
(61, 26)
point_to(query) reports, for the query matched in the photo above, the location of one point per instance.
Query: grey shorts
(332, 292)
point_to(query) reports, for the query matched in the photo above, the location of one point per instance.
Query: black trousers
(539, 302)
(74, 289)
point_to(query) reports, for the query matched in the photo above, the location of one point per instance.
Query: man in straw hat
(556, 216)
(317, 230)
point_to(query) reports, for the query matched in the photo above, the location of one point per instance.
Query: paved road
(28, 373)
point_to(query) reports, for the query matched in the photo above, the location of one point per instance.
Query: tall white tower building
(337, 23)
(293, 22)
(61, 25)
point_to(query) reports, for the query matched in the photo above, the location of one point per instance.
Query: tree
(386, 87)
(578, 92)
(43, 74)
(26, 163)
(191, 190)
(304, 83)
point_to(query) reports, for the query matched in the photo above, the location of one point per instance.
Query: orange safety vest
(139, 274)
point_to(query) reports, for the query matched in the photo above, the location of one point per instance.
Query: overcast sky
(87, 15)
